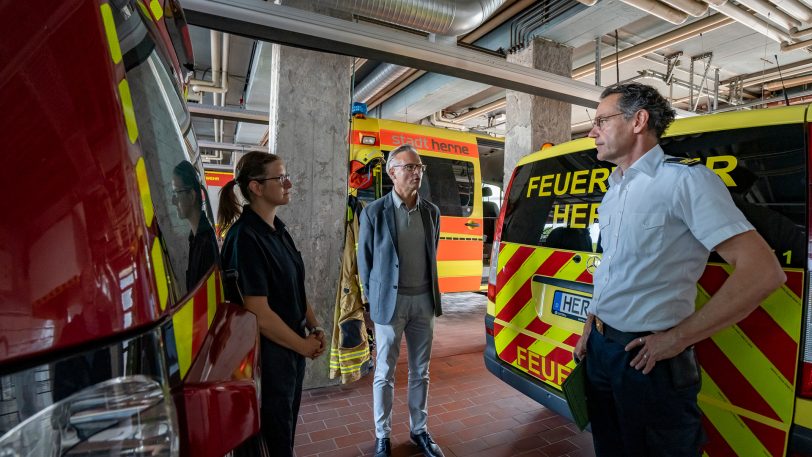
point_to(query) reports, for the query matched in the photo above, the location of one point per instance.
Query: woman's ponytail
(229, 208)
(251, 166)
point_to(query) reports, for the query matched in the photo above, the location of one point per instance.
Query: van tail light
(497, 240)
(805, 389)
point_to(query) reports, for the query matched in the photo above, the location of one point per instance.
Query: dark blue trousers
(634, 414)
(282, 377)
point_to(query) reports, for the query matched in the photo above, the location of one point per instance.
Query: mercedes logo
(592, 264)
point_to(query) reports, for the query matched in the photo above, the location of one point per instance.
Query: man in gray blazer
(397, 263)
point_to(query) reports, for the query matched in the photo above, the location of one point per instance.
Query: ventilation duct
(384, 75)
(443, 17)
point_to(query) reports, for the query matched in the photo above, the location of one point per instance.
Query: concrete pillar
(309, 127)
(533, 120)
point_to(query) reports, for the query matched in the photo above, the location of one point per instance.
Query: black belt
(611, 333)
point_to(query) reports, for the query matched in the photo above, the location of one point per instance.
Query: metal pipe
(552, 11)
(716, 89)
(231, 146)
(792, 82)
(768, 10)
(216, 40)
(692, 7)
(794, 32)
(660, 10)
(786, 47)
(667, 39)
(229, 114)
(224, 77)
(765, 101)
(476, 112)
(795, 8)
(749, 20)
(598, 44)
(437, 122)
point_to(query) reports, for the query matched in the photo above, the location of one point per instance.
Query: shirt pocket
(647, 230)
(605, 234)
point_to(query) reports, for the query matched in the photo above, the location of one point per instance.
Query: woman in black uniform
(187, 196)
(270, 276)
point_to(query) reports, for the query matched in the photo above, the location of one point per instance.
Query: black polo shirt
(268, 264)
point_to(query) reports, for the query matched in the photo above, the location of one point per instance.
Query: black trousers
(282, 376)
(634, 414)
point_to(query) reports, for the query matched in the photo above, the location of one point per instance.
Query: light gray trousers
(414, 315)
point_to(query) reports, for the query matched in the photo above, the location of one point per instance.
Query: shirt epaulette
(683, 161)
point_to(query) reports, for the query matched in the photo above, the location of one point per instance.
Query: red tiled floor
(471, 413)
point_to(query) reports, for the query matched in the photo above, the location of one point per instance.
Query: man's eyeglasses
(281, 178)
(601, 120)
(412, 167)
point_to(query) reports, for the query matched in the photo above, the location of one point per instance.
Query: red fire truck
(114, 338)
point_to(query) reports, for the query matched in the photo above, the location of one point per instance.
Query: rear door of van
(551, 243)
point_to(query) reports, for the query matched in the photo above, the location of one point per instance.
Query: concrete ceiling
(737, 50)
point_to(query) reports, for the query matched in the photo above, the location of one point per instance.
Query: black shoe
(383, 448)
(426, 444)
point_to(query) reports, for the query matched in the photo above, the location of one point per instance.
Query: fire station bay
(463, 228)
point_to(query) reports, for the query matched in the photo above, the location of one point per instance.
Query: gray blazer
(378, 265)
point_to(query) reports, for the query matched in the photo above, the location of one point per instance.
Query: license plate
(571, 306)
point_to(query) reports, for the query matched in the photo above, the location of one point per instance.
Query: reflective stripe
(803, 413)
(749, 370)
(110, 32)
(744, 442)
(160, 273)
(457, 268)
(211, 295)
(461, 284)
(183, 321)
(541, 350)
(143, 191)
(127, 110)
(157, 10)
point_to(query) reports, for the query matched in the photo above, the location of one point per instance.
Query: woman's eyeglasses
(182, 190)
(281, 178)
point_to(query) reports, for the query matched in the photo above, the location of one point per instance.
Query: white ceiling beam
(293, 27)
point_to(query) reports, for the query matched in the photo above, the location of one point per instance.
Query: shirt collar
(647, 164)
(399, 202)
(253, 219)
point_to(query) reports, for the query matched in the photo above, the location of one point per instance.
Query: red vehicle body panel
(75, 265)
(71, 239)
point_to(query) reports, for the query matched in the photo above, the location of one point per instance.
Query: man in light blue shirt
(659, 221)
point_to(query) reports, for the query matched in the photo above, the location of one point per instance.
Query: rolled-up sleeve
(707, 208)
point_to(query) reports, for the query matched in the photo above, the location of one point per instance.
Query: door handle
(472, 224)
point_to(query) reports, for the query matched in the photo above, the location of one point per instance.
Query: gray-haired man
(397, 251)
